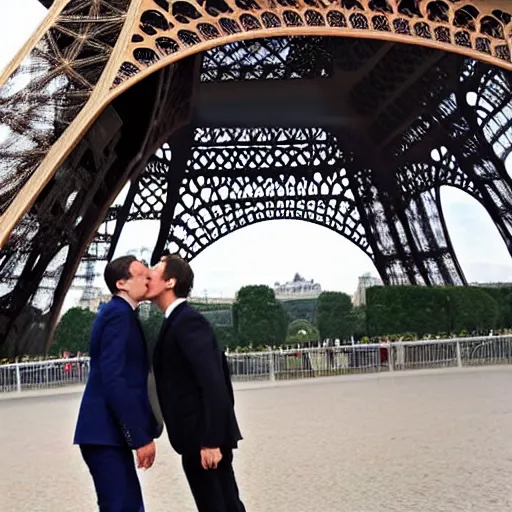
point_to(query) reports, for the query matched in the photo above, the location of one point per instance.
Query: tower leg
(406, 229)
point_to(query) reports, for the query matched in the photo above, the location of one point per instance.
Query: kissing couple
(132, 393)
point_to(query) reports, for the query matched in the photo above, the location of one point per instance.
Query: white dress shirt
(173, 306)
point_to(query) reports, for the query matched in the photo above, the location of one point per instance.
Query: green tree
(73, 331)
(472, 309)
(258, 318)
(414, 309)
(302, 331)
(335, 316)
(359, 322)
(151, 326)
(226, 336)
(219, 315)
(301, 309)
(503, 297)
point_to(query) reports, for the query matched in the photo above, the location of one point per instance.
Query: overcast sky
(274, 251)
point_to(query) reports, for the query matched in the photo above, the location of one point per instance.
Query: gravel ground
(418, 441)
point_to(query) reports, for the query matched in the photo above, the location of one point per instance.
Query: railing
(52, 373)
(303, 363)
(357, 359)
(296, 364)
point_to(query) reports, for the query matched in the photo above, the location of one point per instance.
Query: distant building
(491, 285)
(93, 298)
(211, 300)
(298, 288)
(96, 297)
(365, 281)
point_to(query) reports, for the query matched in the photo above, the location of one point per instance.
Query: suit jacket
(115, 408)
(193, 383)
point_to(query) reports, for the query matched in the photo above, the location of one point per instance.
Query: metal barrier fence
(357, 359)
(47, 374)
(296, 364)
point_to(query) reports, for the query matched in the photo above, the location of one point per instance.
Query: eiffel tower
(350, 114)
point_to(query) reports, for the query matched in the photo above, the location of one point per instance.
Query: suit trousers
(214, 490)
(115, 478)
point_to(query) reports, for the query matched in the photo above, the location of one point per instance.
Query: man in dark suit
(116, 416)
(194, 390)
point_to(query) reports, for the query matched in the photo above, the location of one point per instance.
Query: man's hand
(146, 455)
(210, 457)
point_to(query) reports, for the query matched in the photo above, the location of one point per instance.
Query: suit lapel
(166, 324)
(163, 330)
(177, 311)
(159, 341)
(139, 325)
(147, 348)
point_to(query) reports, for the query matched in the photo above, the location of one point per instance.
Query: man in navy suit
(116, 416)
(195, 391)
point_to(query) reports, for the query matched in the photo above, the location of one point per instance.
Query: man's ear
(121, 284)
(171, 283)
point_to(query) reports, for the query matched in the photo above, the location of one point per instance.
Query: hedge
(423, 310)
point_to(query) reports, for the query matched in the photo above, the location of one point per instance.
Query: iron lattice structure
(349, 114)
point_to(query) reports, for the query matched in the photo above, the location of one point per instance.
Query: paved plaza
(429, 441)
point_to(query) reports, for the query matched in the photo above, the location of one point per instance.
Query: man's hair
(179, 269)
(118, 269)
